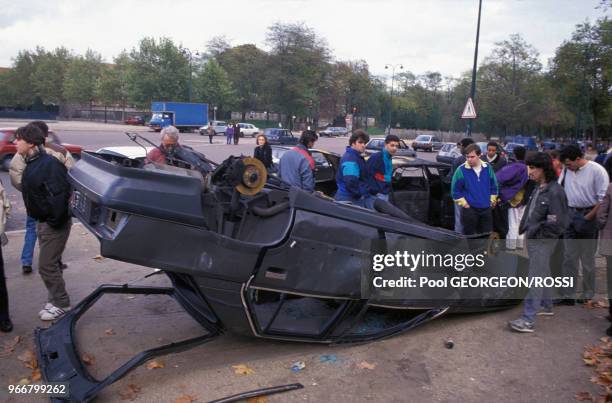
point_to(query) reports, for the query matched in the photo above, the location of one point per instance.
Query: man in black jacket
(45, 191)
(545, 219)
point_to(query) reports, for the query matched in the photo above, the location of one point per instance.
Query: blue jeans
(540, 251)
(29, 242)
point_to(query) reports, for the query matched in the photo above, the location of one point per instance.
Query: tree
(298, 64)
(49, 72)
(213, 85)
(217, 45)
(246, 68)
(112, 86)
(158, 71)
(582, 70)
(81, 78)
(503, 100)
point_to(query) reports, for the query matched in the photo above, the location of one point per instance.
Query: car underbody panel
(279, 263)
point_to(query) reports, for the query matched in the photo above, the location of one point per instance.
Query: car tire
(75, 156)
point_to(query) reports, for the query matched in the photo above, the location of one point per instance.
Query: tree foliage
(297, 76)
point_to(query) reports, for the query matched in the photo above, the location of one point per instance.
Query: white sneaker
(48, 305)
(53, 313)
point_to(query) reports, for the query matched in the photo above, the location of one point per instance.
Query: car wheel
(76, 156)
(6, 162)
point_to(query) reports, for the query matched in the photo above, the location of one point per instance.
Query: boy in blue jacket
(352, 181)
(380, 168)
(474, 188)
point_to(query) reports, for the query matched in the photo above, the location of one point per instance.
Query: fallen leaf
(243, 370)
(24, 381)
(109, 332)
(590, 362)
(584, 396)
(155, 364)
(258, 399)
(130, 393)
(9, 346)
(604, 339)
(98, 258)
(366, 365)
(36, 376)
(185, 399)
(88, 359)
(29, 359)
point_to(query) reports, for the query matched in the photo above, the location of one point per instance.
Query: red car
(135, 121)
(8, 148)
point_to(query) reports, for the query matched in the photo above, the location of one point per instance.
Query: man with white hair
(168, 146)
(171, 152)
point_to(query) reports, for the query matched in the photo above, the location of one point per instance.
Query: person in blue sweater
(474, 188)
(352, 181)
(380, 168)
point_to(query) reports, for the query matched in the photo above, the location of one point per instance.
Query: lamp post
(468, 131)
(188, 52)
(215, 113)
(392, 67)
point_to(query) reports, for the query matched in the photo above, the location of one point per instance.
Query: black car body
(377, 144)
(276, 263)
(280, 137)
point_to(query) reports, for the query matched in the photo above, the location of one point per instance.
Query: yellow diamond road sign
(469, 112)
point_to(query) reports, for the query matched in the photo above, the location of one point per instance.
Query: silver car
(448, 152)
(219, 127)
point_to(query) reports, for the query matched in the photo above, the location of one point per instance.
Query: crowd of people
(557, 204)
(558, 201)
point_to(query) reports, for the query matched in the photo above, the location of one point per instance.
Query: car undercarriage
(247, 254)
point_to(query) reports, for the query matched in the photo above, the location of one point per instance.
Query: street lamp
(197, 54)
(392, 67)
(292, 122)
(468, 130)
(215, 113)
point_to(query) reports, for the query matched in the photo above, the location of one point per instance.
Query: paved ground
(488, 362)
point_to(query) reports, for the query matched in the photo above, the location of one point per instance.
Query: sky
(421, 35)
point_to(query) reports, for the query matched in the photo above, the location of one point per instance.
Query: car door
(410, 191)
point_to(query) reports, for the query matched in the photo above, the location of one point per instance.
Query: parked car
(526, 141)
(377, 144)
(448, 152)
(550, 145)
(426, 142)
(247, 129)
(8, 148)
(219, 127)
(135, 121)
(132, 152)
(333, 132)
(280, 136)
(510, 148)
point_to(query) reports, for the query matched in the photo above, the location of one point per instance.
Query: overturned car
(247, 254)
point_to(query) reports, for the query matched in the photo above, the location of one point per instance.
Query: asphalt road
(93, 136)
